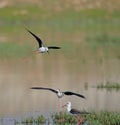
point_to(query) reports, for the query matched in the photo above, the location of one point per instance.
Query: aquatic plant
(63, 118)
(109, 85)
(38, 120)
(94, 118)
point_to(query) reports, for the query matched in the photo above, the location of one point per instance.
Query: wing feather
(75, 111)
(54, 47)
(37, 38)
(42, 88)
(72, 93)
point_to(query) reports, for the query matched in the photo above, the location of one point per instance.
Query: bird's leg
(79, 120)
(58, 105)
(60, 102)
(62, 111)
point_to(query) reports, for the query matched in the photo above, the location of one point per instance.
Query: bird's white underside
(43, 49)
(68, 106)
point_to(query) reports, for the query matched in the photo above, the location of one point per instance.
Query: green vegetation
(103, 45)
(39, 120)
(94, 118)
(88, 30)
(86, 20)
(109, 86)
(13, 50)
(85, 35)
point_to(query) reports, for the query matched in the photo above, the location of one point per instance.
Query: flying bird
(59, 93)
(42, 48)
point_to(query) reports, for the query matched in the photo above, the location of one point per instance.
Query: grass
(109, 86)
(13, 50)
(104, 42)
(39, 120)
(99, 118)
(67, 20)
(88, 30)
(36, 14)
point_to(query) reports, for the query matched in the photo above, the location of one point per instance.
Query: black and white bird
(77, 113)
(42, 48)
(59, 93)
(72, 110)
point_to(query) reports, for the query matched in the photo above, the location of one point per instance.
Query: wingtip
(54, 47)
(84, 97)
(33, 88)
(28, 30)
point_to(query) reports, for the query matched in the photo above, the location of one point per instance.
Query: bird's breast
(60, 94)
(43, 49)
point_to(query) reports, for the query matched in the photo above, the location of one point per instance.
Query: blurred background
(88, 32)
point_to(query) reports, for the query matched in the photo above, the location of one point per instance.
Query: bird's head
(60, 94)
(68, 104)
(58, 90)
(46, 48)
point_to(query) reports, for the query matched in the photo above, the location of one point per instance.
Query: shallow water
(55, 71)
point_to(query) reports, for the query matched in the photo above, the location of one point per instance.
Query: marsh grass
(63, 118)
(94, 118)
(105, 42)
(12, 50)
(38, 120)
(109, 86)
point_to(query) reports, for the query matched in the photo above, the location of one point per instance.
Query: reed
(109, 86)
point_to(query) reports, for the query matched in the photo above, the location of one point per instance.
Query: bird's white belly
(60, 94)
(43, 49)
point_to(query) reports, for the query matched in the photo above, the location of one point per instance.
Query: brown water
(56, 71)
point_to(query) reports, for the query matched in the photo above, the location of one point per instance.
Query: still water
(58, 72)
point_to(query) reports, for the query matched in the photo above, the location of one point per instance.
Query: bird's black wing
(75, 111)
(38, 88)
(36, 37)
(72, 93)
(54, 47)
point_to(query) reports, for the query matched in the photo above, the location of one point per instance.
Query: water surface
(55, 71)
